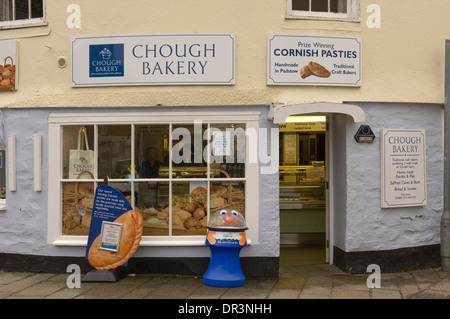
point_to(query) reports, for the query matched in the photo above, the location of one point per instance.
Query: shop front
(269, 121)
(174, 167)
(295, 183)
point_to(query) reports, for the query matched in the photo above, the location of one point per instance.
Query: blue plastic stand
(224, 269)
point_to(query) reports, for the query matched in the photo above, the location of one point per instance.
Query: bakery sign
(155, 59)
(403, 168)
(314, 60)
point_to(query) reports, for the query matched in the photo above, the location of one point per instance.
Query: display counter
(302, 187)
(302, 199)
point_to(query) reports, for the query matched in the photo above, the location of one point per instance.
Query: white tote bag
(81, 160)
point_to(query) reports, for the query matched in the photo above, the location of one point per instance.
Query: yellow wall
(403, 61)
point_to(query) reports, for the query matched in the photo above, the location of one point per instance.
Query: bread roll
(219, 190)
(217, 202)
(189, 207)
(176, 211)
(176, 220)
(199, 192)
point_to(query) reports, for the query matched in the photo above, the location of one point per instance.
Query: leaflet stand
(111, 275)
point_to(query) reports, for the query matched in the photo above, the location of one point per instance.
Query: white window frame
(352, 14)
(24, 23)
(58, 120)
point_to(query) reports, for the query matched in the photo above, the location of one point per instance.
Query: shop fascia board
(153, 117)
(280, 113)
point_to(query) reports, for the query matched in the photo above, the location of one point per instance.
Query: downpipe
(445, 219)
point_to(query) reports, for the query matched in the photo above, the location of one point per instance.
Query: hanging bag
(81, 160)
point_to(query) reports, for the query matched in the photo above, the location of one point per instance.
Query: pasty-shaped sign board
(115, 231)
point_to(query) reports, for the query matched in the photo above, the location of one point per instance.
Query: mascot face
(227, 218)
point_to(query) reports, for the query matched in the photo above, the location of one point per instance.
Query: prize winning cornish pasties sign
(157, 59)
(314, 60)
(403, 169)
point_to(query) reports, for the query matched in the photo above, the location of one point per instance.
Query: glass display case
(302, 186)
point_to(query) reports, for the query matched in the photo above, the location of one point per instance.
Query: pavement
(311, 282)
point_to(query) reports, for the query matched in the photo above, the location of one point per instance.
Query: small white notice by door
(403, 168)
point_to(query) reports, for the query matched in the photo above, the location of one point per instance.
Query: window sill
(66, 240)
(180, 241)
(22, 24)
(29, 31)
(319, 18)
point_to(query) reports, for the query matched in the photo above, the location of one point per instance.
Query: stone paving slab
(420, 284)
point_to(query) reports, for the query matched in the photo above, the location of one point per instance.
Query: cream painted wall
(403, 61)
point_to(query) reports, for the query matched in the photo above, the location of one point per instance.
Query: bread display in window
(190, 212)
(78, 203)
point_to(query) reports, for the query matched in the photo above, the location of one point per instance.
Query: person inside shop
(150, 166)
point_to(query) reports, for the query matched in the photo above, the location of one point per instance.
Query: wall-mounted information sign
(403, 169)
(314, 60)
(158, 59)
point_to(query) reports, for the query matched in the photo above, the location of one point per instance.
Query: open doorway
(303, 198)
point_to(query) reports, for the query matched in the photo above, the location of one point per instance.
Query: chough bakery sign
(159, 59)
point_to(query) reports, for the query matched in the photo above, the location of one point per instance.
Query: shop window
(21, 13)
(347, 10)
(175, 174)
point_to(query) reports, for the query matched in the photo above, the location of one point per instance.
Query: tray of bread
(192, 213)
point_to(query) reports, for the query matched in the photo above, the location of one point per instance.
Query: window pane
(114, 151)
(228, 147)
(238, 197)
(319, 5)
(22, 9)
(78, 162)
(6, 12)
(152, 200)
(77, 204)
(189, 213)
(300, 5)
(152, 151)
(187, 151)
(37, 9)
(124, 188)
(227, 195)
(338, 6)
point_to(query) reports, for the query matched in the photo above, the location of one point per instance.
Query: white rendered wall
(369, 227)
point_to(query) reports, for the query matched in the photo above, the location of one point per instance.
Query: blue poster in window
(106, 60)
